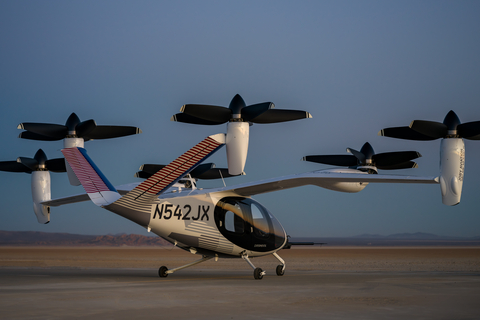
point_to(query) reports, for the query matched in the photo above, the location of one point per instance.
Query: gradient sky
(356, 66)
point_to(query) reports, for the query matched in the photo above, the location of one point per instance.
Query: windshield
(248, 224)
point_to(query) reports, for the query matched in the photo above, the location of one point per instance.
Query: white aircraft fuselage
(216, 224)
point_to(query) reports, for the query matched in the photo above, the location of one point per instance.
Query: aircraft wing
(321, 179)
(316, 178)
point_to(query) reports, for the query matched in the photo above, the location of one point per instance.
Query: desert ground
(320, 282)
(403, 259)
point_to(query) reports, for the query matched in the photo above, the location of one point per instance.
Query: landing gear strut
(163, 272)
(281, 267)
(258, 273)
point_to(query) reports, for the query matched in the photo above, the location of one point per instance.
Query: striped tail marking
(97, 186)
(174, 171)
(181, 166)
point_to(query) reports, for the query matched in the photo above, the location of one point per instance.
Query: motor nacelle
(349, 187)
(452, 166)
(237, 146)
(41, 192)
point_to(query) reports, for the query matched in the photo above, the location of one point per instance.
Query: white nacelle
(237, 146)
(41, 192)
(350, 187)
(452, 166)
(71, 143)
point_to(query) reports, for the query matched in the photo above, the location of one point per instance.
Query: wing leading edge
(321, 179)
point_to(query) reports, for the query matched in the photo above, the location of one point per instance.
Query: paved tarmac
(93, 293)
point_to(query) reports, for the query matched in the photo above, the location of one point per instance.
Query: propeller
(206, 171)
(452, 148)
(73, 128)
(238, 117)
(236, 111)
(38, 163)
(367, 159)
(430, 130)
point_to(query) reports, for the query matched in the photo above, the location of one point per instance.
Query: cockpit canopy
(248, 224)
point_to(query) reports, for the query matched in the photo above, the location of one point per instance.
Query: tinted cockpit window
(248, 224)
(233, 220)
(260, 221)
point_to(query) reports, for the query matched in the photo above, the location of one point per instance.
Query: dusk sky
(356, 66)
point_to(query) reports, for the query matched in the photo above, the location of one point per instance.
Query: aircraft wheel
(162, 272)
(280, 270)
(257, 273)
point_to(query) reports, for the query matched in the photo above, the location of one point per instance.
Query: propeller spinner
(238, 116)
(367, 160)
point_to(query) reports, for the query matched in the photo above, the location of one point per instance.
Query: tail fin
(98, 188)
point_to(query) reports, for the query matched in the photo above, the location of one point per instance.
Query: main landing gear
(258, 273)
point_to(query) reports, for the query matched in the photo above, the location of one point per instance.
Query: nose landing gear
(281, 267)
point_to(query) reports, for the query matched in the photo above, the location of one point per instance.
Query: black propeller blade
(430, 130)
(237, 111)
(73, 128)
(367, 157)
(392, 159)
(404, 133)
(280, 115)
(334, 160)
(38, 163)
(183, 117)
(403, 165)
(206, 171)
(469, 130)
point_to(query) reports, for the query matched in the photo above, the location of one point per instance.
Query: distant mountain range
(34, 238)
(398, 239)
(412, 236)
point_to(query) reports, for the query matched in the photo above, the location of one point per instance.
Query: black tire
(280, 270)
(162, 272)
(257, 273)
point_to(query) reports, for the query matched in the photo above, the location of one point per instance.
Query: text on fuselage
(168, 211)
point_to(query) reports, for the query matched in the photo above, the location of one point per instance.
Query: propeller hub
(451, 121)
(236, 106)
(72, 122)
(452, 134)
(368, 169)
(367, 150)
